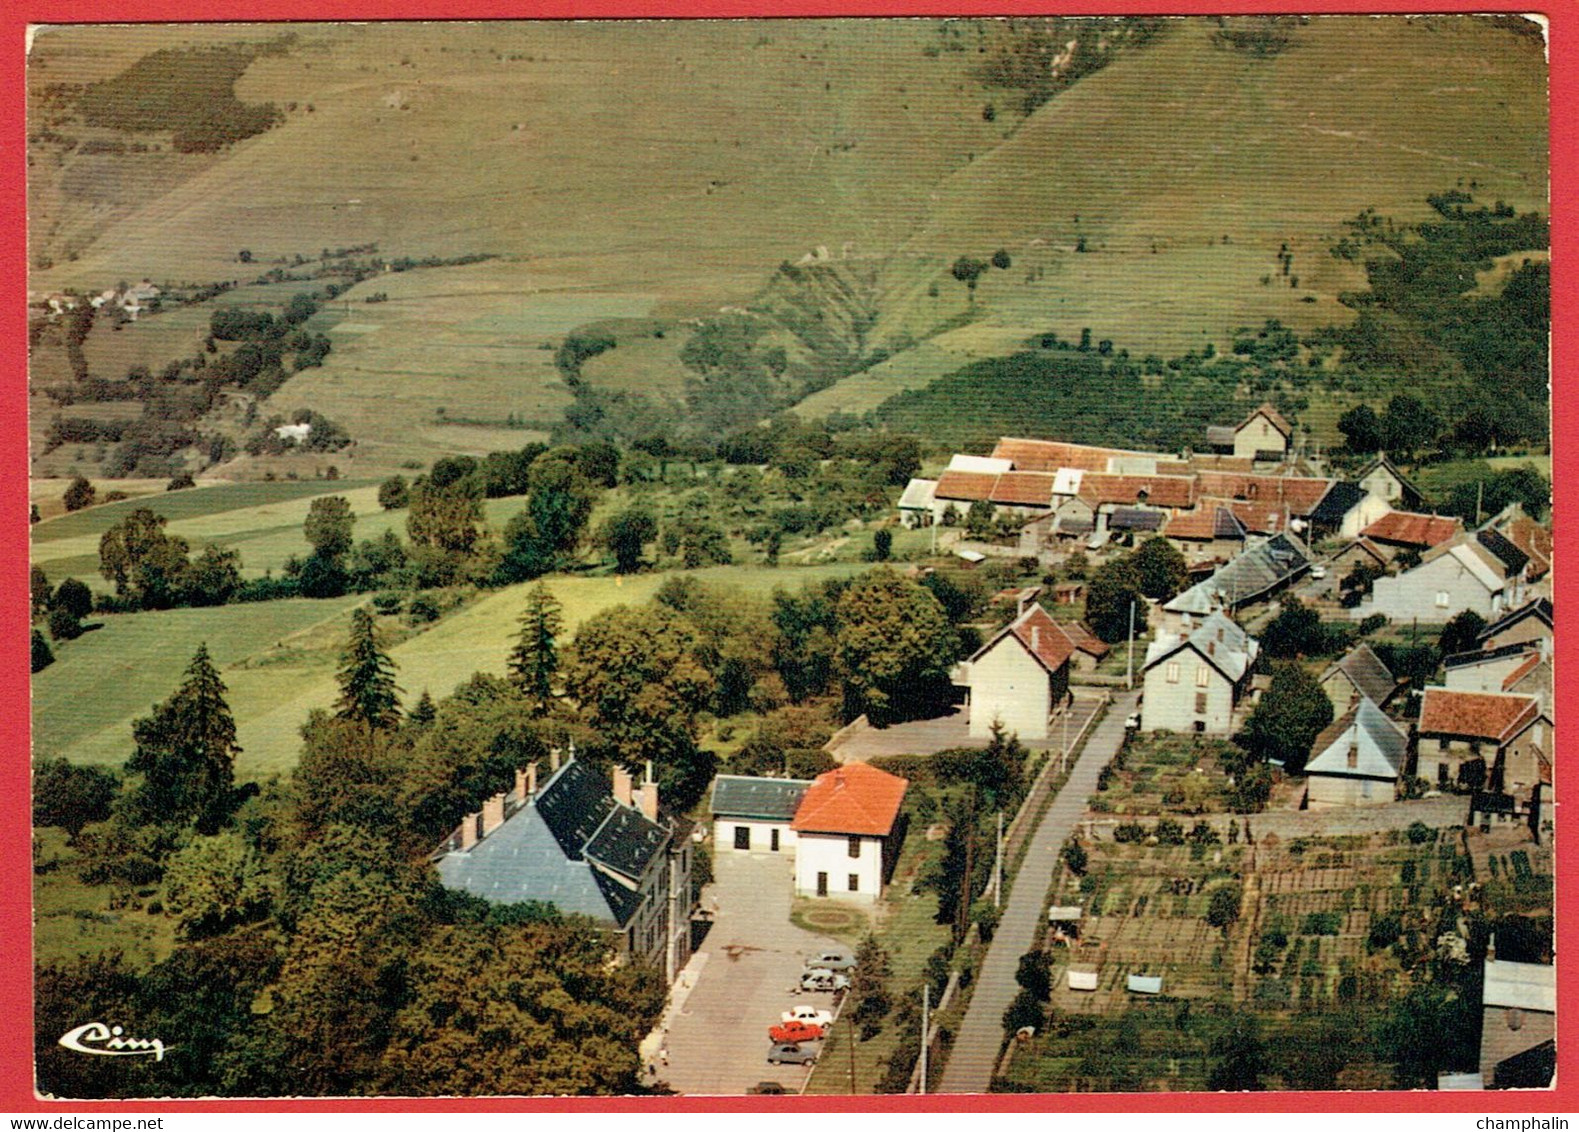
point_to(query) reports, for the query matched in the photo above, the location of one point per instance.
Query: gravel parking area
(717, 1041)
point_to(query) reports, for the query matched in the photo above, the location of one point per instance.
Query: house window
(773, 840)
(1200, 676)
(855, 882)
(822, 884)
(742, 837)
(1441, 599)
(1173, 673)
(855, 846)
(1515, 1018)
(1200, 703)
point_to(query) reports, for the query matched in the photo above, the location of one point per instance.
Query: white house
(1518, 1026)
(915, 503)
(1019, 676)
(754, 814)
(294, 432)
(1346, 510)
(1193, 682)
(1450, 579)
(1357, 760)
(846, 832)
(1263, 435)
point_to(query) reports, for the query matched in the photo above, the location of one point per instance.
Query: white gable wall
(1258, 435)
(1433, 592)
(1170, 705)
(828, 855)
(1008, 684)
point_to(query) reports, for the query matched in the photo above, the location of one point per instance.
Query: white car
(822, 979)
(1318, 572)
(809, 1015)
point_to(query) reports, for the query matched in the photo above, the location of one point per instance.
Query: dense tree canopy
(894, 647)
(368, 693)
(1291, 713)
(186, 753)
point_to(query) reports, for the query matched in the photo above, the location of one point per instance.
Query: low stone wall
(1438, 813)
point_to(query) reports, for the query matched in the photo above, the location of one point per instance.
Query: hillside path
(975, 1052)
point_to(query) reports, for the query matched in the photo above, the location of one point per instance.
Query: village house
(586, 845)
(1530, 622)
(1457, 576)
(1344, 511)
(848, 832)
(1211, 530)
(1357, 760)
(754, 814)
(1194, 681)
(1264, 570)
(1361, 552)
(1264, 436)
(1359, 675)
(1398, 531)
(1019, 677)
(1531, 538)
(916, 503)
(1495, 740)
(1382, 478)
(1492, 670)
(1518, 1028)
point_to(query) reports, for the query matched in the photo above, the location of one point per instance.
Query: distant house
(1211, 530)
(916, 503)
(1528, 623)
(1405, 530)
(1264, 570)
(1264, 435)
(754, 814)
(296, 433)
(1019, 676)
(1194, 681)
(1360, 674)
(1383, 479)
(1491, 670)
(1518, 1027)
(1533, 539)
(1508, 734)
(1357, 760)
(1344, 511)
(1457, 576)
(584, 845)
(848, 832)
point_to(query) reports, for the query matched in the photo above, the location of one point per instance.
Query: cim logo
(107, 1041)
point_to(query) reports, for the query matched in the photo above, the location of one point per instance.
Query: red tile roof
(1160, 491)
(1024, 489)
(1413, 529)
(1535, 540)
(972, 486)
(1042, 638)
(1521, 671)
(1298, 495)
(1084, 639)
(1475, 715)
(1266, 410)
(1050, 455)
(854, 799)
(1260, 518)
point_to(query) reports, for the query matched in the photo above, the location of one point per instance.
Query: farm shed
(1144, 984)
(1082, 980)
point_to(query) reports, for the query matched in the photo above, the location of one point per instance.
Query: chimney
(468, 832)
(553, 758)
(1211, 648)
(649, 777)
(1354, 754)
(519, 792)
(531, 780)
(1036, 638)
(647, 799)
(838, 779)
(492, 814)
(622, 785)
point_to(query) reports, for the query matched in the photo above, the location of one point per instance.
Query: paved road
(975, 1053)
(737, 984)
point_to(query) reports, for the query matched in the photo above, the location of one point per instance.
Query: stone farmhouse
(1357, 760)
(1194, 681)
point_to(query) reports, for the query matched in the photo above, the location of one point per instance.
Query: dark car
(787, 1053)
(767, 1089)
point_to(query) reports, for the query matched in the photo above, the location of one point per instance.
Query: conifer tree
(186, 752)
(367, 677)
(535, 658)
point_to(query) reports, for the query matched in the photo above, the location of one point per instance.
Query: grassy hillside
(1184, 168)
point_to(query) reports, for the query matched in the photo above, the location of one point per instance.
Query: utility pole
(926, 1001)
(1129, 676)
(997, 867)
(1480, 492)
(1063, 762)
(852, 1053)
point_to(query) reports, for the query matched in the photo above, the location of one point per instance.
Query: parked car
(833, 959)
(789, 1053)
(822, 979)
(792, 1032)
(1318, 572)
(808, 1014)
(767, 1089)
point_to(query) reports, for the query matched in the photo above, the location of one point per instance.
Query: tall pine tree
(367, 677)
(186, 753)
(535, 658)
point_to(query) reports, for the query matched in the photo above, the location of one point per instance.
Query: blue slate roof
(1135, 519)
(1341, 498)
(557, 847)
(770, 799)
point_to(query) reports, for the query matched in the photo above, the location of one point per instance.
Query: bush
(80, 494)
(1223, 907)
(1035, 974)
(1419, 833)
(1025, 1010)
(1075, 858)
(1128, 832)
(42, 656)
(63, 625)
(1322, 923)
(1168, 832)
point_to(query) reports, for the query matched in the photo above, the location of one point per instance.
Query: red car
(795, 1032)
